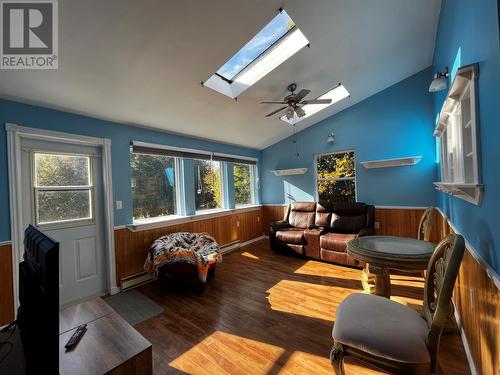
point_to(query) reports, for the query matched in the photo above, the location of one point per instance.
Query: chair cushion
(382, 328)
(335, 241)
(291, 236)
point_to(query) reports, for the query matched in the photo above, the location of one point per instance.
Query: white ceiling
(141, 62)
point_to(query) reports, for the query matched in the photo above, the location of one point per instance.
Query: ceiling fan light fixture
(335, 95)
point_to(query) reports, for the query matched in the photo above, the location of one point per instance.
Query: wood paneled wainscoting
(6, 291)
(476, 296)
(131, 247)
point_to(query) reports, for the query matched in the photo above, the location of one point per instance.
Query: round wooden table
(381, 253)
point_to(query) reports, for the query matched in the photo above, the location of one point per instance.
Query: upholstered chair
(392, 336)
(426, 222)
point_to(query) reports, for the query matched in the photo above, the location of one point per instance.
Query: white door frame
(15, 134)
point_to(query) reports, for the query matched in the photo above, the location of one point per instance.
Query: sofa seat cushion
(291, 236)
(335, 241)
(382, 328)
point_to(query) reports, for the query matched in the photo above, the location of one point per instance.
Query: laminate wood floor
(267, 313)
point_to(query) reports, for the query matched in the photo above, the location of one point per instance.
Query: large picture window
(336, 177)
(153, 185)
(243, 184)
(63, 188)
(208, 185)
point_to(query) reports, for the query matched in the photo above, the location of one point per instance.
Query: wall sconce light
(330, 139)
(439, 82)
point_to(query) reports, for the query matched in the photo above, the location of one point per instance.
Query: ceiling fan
(294, 102)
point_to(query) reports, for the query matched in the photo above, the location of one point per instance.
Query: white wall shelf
(472, 193)
(386, 163)
(289, 172)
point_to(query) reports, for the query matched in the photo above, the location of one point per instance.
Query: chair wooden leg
(337, 359)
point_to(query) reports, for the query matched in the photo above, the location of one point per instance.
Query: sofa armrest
(368, 231)
(312, 248)
(317, 228)
(277, 225)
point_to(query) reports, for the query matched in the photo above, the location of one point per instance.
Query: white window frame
(457, 130)
(223, 188)
(177, 187)
(60, 224)
(316, 179)
(252, 187)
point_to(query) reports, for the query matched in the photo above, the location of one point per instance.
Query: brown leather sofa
(321, 231)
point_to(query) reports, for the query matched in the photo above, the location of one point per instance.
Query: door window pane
(62, 187)
(208, 184)
(153, 185)
(61, 170)
(63, 205)
(242, 184)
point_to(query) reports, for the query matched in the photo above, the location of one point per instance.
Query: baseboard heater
(133, 281)
(138, 279)
(231, 246)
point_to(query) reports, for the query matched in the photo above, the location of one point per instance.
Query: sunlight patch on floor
(306, 363)
(306, 299)
(248, 255)
(216, 354)
(316, 268)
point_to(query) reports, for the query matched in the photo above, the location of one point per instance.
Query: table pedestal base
(376, 280)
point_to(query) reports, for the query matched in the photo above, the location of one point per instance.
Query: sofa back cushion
(323, 215)
(349, 217)
(302, 214)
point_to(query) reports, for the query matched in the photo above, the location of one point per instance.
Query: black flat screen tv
(38, 314)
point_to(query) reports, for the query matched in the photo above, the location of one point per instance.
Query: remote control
(73, 341)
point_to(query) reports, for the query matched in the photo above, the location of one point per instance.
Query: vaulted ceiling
(141, 62)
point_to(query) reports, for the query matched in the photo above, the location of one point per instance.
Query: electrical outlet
(258, 219)
(238, 223)
(377, 225)
(119, 205)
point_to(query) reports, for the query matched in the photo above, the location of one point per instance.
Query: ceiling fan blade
(317, 101)
(278, 110)
(273, 103)
(301, 95)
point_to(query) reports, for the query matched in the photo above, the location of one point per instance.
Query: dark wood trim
(6, 287)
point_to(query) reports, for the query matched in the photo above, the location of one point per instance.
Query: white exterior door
(63, 197)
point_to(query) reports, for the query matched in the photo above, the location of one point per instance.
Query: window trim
(316, 180)
(61, 224)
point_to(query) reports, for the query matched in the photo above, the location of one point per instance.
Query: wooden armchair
(425, 226)
(394, 337)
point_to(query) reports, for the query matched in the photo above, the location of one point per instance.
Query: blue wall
(468, 33)
(396, 122)
(120, 135)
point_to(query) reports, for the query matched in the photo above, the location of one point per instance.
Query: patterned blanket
(198, 249)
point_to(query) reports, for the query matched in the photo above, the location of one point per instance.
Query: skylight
(336, 94)
(276, 42)
(270, 34)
